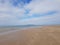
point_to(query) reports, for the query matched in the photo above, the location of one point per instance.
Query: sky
(24, 12)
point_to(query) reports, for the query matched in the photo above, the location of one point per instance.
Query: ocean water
(15, 28)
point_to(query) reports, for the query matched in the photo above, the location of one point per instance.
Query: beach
(45, 35)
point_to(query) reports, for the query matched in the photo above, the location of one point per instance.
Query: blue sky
(23, 12)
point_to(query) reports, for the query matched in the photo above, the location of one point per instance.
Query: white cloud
(9, 15)
(43, 6)
(44, 20)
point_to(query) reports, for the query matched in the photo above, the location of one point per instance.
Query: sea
(8, 29)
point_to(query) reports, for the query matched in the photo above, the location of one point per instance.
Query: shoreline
(3, 33)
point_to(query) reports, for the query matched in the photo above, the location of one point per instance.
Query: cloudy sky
(23, 12)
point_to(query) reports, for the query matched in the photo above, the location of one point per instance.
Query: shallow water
(15, 28)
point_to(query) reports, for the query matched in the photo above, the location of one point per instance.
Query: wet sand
(46, 35)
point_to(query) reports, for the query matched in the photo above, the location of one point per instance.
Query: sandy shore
(46, 35)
